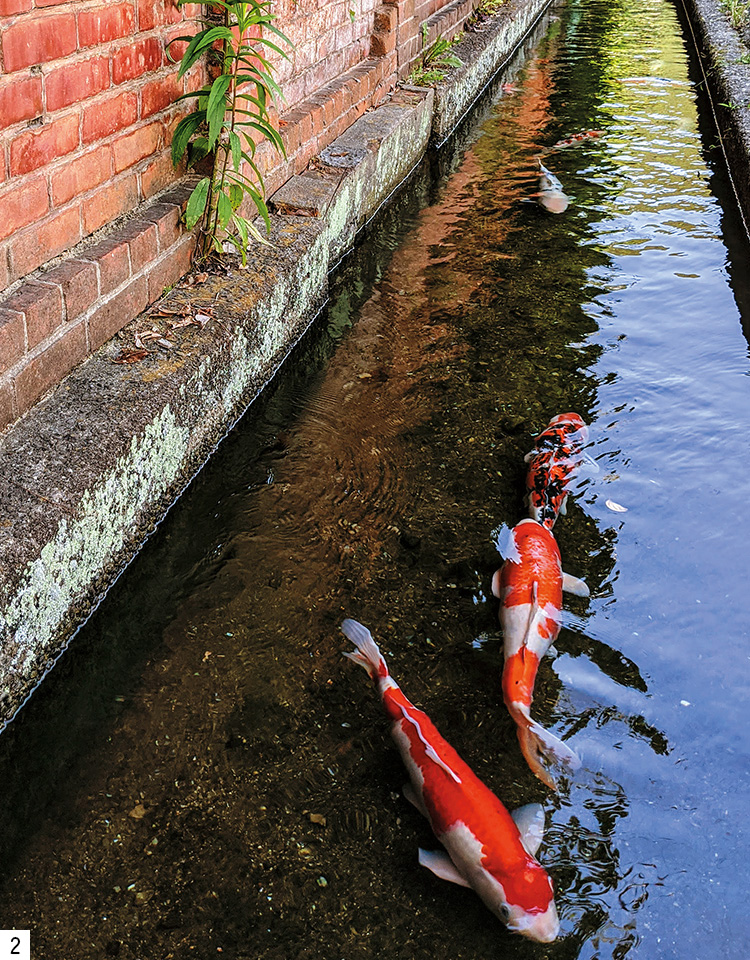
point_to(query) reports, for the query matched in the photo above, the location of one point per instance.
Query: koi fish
(487, 848)
(577, 138)
(554, 463)
(551, 195)
(529, 586)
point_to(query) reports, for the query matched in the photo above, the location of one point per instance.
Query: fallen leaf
(201, 277)
(616, 507)
(202, 319)
(127, 355)
(138, 812)
(167, 344)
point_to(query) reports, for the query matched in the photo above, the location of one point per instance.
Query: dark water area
(204, 774)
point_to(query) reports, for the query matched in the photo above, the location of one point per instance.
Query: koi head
(525, 902)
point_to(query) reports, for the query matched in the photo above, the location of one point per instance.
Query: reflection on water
(204, 775)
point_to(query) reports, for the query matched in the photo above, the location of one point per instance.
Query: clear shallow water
(206, 776)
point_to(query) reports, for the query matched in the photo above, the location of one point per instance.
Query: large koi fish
(554, 462)
(488, 849)
(529, 586)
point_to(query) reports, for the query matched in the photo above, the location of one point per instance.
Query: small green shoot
(434, 62)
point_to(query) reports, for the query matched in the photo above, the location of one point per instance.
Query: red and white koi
(488, 849)
(555, 461)
(529, 586)
(577, 138)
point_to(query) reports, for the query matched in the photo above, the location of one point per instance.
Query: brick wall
(87, 110)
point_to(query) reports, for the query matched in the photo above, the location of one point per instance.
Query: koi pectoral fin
(441, 865)
(575, 586)
(530, 822)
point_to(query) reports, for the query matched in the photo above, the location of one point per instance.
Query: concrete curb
(721, 50)
(93, 468)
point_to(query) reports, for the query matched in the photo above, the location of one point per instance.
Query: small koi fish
(529, 586)
(551, 195)
(555, 461)
(488, 849)
(576, 139)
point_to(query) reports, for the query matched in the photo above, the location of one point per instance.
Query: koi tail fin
(543, 750)
(367, 654)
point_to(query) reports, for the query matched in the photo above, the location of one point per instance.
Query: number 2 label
(15, 944)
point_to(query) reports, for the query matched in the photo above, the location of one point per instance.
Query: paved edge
(92, 469)
(721, 51)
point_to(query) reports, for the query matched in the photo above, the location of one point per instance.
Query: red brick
(103, 117)
(75, 82)
(79, 284)
(12, 337)
(38, 244)
(9, 7)
(177, 49)
(137, 58)
(38, 40)
(105, 23)
(159, 94)
(47, 370)
(109, 202)
(37, 148)
(8, 408)
(49, 3)
(175, 264)
(82, 174)
(21, 205)
(155, 13)
(111, 317)
(4, 267)
(42, 306)
(20, 99)
(142, 240)
(138, 145)
(158, 175)
(166, 216)
(113, 259)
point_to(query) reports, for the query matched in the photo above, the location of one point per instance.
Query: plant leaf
(236, 146)
(200, 42)
(224, 207)
(183, 132)
(196, 203)
(216, 108)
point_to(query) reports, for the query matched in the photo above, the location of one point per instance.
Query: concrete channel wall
(91, 470)
(724, 55)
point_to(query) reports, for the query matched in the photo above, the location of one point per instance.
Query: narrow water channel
(205, 775)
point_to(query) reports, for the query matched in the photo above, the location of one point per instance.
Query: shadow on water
(203, 773)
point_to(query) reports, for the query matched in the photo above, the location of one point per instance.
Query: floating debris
(615, 507)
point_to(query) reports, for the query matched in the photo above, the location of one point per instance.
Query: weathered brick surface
(38, 243)
(48, 368)
(112, 316)
(111, 201)
(37, 148)
(20, 99)
(38, 39)
(167, 271)
(42, 308)
(75, 82)
(105, 23)
(22, 205)
(8, 408)
(113, 259)
(79, 284)
(12, 337)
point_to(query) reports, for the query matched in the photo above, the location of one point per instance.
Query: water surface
(204, 775)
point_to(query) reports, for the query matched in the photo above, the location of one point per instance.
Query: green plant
(231, 118)
(435, 60)
(738, 12)
(489, 7)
